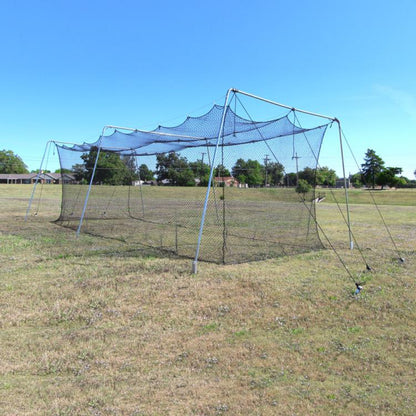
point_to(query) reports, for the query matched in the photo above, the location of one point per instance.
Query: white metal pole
(140, 183)
(156, 133)
(283, 105)
(37, 179)
(195, 262)
(90, 185)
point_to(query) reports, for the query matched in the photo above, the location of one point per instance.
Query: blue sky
(71, 67)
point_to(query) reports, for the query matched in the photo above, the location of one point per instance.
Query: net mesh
(253, 210)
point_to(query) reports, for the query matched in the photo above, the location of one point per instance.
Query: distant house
(140, 182)
(30, 178)
(226, 181)
(20, 178)
(341, 184)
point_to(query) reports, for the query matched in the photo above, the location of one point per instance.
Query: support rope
(375, 203)
(258, 130)
(336, 201)
(42, 183)
(367, 266)
(357, 284)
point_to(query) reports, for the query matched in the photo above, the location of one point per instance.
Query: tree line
(174, 169)
(374, 173)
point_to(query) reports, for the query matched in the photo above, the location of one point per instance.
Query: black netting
(254, 210)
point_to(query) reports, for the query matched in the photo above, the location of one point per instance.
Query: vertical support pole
(90, 185)
(345, 186)
(136, 167)
(140, 185)
(220, 132)
(37, 180)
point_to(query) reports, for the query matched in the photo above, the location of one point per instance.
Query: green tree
(356, 180)
(402, 182)
(174, 168)
(239, 170)
(110, 170)
(290, 179)
(221, 171)
(372, 167)
(325, 176)
(185, 178)
(274, 173)
(389, 177)
(308, 175)
(145, 173)
(249, 172)
(80, 172)
(201, 171)
(303, 187)
(321, 176)
(130, 162)
(11, 163)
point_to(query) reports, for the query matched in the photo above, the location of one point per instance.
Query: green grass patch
(94, 326)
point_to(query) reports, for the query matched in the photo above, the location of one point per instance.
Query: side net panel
(149, 188)
(256, 212)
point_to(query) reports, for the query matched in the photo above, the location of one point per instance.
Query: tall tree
(372, 166)
(11, 163)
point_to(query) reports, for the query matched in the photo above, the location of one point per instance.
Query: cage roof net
(195, 132)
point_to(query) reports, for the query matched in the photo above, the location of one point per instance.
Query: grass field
(90, 326)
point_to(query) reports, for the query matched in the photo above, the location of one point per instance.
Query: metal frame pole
(90, 185)
(195, 262)
(40, 171)
(37, 179)
(283, 105)
(140, 183)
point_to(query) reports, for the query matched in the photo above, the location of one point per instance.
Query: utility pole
(266, 159)
(296, 157)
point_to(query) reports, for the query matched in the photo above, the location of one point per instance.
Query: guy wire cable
(336, 201)
(375, 203)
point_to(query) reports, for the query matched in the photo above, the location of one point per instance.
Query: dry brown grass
(90, 327)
